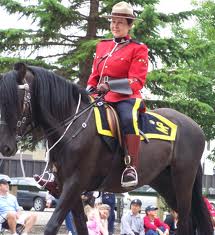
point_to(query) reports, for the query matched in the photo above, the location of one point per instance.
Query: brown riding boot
(50, 185)
(129, 175)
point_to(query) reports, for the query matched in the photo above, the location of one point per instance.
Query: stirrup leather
(129, 183)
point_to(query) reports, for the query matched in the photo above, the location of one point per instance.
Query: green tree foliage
(68, 31)
(190, 86)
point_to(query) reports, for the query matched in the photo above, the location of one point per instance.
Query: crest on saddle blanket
(153, 125)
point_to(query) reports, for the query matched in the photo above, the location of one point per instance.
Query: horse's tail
(200, 214)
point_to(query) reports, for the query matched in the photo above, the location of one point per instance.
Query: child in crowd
(93, 222)
(97, 219)
(153, 225)
(104, 213)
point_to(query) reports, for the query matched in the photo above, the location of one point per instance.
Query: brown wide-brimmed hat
(122, 10)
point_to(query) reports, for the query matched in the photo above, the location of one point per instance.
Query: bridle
(23, 127)
(2, 122)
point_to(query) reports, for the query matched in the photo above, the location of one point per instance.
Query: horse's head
(14, 107)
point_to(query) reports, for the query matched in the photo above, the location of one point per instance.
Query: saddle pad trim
(135, 116)
(99, 124)
(162, 128)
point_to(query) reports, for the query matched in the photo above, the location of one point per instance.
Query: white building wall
(208, 165)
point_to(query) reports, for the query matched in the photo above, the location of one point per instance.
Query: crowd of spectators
(99, 208)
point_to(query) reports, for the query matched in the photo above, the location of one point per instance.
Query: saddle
(113, 122)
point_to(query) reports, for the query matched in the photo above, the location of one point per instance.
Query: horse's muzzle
(8, 150)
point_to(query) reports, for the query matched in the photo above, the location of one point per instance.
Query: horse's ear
(21, 69)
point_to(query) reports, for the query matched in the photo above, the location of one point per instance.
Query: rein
(75, 116)
(27, 114)
(69, 124)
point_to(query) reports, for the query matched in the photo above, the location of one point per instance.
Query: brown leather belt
(106, 79)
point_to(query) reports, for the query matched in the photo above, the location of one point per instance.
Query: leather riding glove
(90, 89)
(103, 88)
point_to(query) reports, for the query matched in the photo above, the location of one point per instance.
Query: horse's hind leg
(175, 194)
(200, 213)
(163, 185)
(183, 180)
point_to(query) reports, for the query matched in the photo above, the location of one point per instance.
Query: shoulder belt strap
(118, 48)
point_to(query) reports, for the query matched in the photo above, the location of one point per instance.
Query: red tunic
(129, 60)
(148, 224)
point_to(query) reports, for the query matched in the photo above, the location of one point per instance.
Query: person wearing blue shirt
(10, 211)
(132, 223)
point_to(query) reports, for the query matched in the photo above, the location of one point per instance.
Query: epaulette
(135, 41)
(106, 39)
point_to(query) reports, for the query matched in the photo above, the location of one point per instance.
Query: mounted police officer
(119, 71)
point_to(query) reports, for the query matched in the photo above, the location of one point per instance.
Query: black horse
(83, 162)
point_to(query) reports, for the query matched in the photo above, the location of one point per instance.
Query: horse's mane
(9, 97)
(54, 93)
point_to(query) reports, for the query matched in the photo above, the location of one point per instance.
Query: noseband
(1, 121)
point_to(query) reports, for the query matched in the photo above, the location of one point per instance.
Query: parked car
(6, 177)
(29, 193)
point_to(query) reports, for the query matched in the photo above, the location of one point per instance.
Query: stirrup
(129, 183)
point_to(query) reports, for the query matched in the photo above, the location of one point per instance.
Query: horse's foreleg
(69, 199)
(80, 218)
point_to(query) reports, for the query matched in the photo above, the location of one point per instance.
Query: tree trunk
(86, 65)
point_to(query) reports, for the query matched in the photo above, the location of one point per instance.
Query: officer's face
(119, 27)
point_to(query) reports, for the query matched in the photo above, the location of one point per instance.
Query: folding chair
(4, 226)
